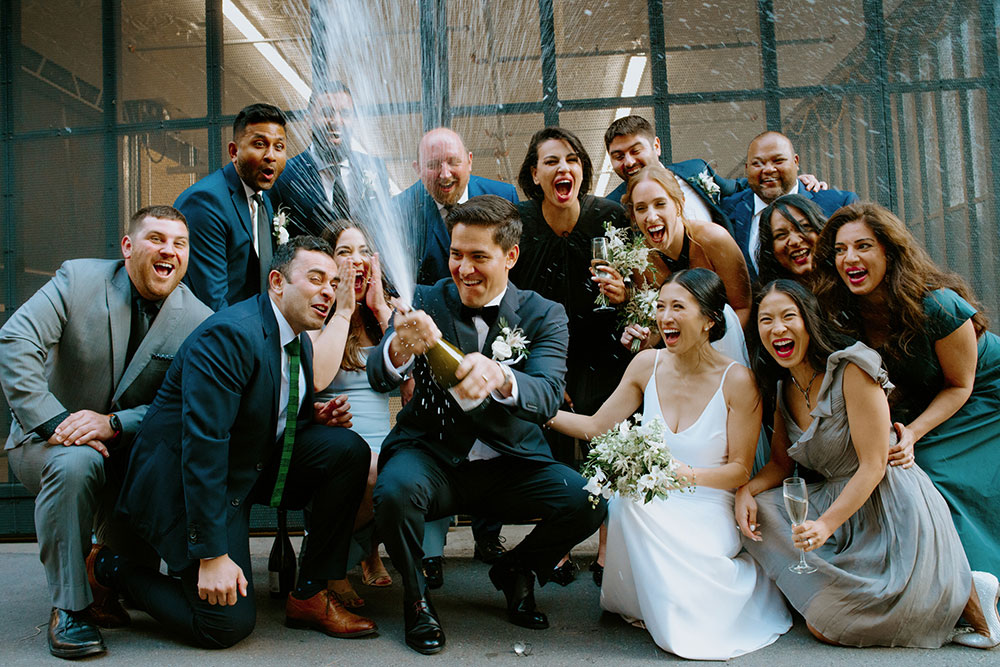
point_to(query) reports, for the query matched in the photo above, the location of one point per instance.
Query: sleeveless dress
(676, 565)
(894, 574)
(369, 408)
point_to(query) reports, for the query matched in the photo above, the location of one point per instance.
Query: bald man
(772, 170)
(444, 166)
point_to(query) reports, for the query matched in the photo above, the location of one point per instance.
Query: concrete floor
(472, 613)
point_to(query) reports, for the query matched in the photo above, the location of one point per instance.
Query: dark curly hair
(910, 274)
(524, 178)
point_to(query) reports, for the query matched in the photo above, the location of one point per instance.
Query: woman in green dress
(881, 287)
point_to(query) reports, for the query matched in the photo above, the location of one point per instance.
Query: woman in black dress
(560, 219)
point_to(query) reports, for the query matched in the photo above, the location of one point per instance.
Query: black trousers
(413, 486)
(329, 467)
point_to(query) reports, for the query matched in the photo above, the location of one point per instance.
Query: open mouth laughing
(671, 336)
(800, 257)
(163, 269)
(564, 188)
(856, 274)
(783, 347)
(656, 232)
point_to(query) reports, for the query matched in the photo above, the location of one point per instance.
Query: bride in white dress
(675, 566)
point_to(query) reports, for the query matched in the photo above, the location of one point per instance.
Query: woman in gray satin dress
(891, 570)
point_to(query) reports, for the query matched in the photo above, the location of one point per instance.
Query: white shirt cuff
(392, 371)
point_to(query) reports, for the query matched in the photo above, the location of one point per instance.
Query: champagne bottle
(443, 360)
(281, 562)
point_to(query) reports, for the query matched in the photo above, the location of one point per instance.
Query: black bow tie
(488, 313)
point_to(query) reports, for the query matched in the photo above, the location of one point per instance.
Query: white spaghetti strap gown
(676, 565)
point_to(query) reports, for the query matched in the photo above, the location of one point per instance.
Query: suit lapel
(272, 355)
(239, 197)
(508, 314)
(119, 304)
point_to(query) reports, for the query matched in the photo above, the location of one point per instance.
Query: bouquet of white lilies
(632, 460)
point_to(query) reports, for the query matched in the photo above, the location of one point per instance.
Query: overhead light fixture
(271, 55)
(630, 87)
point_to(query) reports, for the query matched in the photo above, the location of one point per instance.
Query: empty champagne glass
(797, 506)
(599, 248)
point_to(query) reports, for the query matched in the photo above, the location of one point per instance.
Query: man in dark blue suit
(445, 169)
(772, 170)
(232, 231)
(224, 433)
(329, 181)
(478, 446)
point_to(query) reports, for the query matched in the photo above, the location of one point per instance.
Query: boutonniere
(705, 181)
(279, 225)
(510, 344)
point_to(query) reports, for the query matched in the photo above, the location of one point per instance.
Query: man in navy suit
(329, 181)
(772, 170)
(224, 433)
(445, 169)
(490, 456)
(232, 233)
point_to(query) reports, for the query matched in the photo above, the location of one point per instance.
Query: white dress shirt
(252, 203)
(694, 206)
(286, 336)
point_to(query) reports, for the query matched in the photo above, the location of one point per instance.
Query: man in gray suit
(79, 362)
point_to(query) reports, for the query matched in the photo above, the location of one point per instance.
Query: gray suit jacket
(64, 349)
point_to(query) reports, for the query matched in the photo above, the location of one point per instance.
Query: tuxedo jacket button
(260, 466)
(236, 502)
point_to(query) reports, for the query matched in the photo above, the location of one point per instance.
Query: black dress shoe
(489, 550)
(518, 586)
(434, 572)
(423, 629)
(564, 574)
(71, 637)
(598, 571)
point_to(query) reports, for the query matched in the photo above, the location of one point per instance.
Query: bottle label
(464, 403)
(274, 580)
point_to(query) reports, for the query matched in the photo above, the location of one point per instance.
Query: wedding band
(809, 542)
(485, 379)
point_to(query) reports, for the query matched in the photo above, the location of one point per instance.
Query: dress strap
(726, 372)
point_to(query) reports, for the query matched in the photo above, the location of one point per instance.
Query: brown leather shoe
(107, 610)
(325, 613)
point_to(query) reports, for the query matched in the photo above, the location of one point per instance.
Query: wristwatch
(508, 374)
(116, 425)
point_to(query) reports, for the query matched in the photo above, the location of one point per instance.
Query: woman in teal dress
(884, 289)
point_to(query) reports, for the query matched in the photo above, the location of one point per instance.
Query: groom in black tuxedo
(491, 461)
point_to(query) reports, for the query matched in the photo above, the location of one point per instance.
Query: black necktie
(143, 314)
(264, 250)
(488, 313)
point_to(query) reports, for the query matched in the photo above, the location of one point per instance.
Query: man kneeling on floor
(234, 425)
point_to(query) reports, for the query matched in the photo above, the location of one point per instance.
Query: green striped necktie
(290, 414)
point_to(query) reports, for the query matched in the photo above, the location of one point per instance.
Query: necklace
(805, 392)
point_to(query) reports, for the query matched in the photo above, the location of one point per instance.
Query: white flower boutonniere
(510, 346)
(279, 225)
(708, 184)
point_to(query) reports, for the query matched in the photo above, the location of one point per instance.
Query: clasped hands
(478, 375)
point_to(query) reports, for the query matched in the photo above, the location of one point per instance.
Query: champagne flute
(599, 252)
(797, 506)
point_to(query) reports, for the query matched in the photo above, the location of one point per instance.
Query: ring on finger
(809, 542)
(485, 379)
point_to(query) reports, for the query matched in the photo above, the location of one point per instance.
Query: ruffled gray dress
(895, 573)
